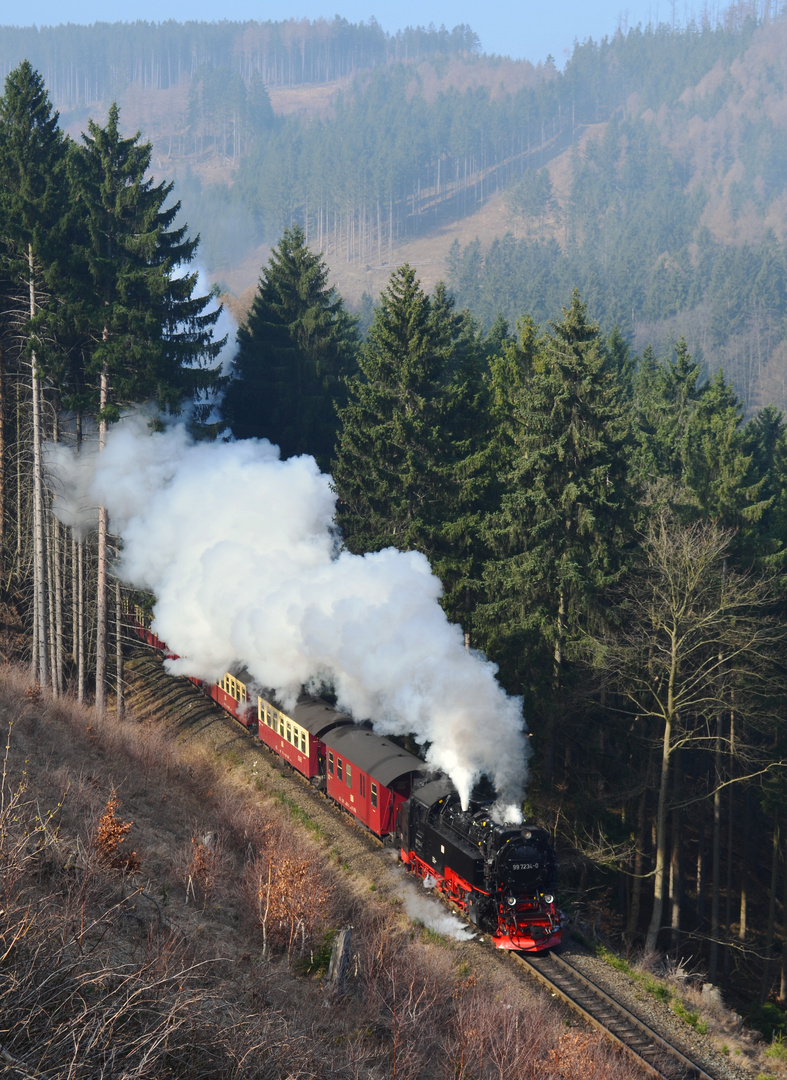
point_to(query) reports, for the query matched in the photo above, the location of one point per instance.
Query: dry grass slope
(204, 954)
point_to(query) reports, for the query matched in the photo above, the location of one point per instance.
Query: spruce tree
(406, 470)
(149, 337)
(693, 446)
(33, 207)
(296, 346)
(564, 517)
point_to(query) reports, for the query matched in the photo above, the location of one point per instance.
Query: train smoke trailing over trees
(242, 554)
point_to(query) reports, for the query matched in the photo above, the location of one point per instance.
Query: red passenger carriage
(297, 735)
(369, 775)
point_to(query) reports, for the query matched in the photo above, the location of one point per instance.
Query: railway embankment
(170, 900)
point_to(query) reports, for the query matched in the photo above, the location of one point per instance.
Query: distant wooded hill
(651, 173)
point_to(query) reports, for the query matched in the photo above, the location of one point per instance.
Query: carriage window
(374, 795)
(289, 732)
(339, 767)
(362, 785)
(330, 762)
(303, 742)
(348, 772)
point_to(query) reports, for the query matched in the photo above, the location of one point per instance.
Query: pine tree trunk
(715, 922)
(74, 600)
(57, 563)
(118, 652)
(639, 865)
(101, 587)
(701, 878)
(769, 933)
(50, 609)
(661, 843)
(745, 867)
(730, 844)
(55, 560)
(661, 810)
(40, 668)
(81, 661)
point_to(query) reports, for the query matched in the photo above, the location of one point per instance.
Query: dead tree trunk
(118, 652)
(101, 586)
(40, 666)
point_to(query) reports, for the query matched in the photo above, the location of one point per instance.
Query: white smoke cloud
(225, 327)
(240, 550)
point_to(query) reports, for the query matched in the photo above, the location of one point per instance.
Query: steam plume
(240, 550)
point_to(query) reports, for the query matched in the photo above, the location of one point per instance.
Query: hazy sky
(528, 29)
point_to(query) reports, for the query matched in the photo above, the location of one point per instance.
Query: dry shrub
(411, 987)
(288, 888)
(501, 1035)
(110, 833)
(580, 1053)
(290, 900)
(33, 693)
(208, 866)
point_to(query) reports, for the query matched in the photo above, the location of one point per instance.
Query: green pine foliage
(564, 521)
(408, 468)
(33, 201)
(147, 331)
(293, 352)
(692, 442)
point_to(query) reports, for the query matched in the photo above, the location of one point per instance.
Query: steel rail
(620, 1025)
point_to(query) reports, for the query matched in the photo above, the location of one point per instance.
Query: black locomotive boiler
(503, 876)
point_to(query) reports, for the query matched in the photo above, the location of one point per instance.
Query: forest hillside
(650, 172)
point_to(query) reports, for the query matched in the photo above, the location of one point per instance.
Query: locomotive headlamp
(511, 901)
(549, 898)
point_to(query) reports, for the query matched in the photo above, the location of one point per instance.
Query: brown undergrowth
(163, 915)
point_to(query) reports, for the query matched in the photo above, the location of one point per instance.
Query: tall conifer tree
(406, 469)
(558, 533)
(150, 338)
(32, 210)
(298, 343)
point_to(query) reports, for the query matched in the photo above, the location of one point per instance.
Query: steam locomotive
(503, 877)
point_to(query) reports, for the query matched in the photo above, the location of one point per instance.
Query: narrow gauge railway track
(651, 1051)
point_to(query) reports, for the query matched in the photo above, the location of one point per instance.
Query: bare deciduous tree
(696, 643)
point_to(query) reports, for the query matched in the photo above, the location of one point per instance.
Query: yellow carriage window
(303, 742)
(289, 732)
